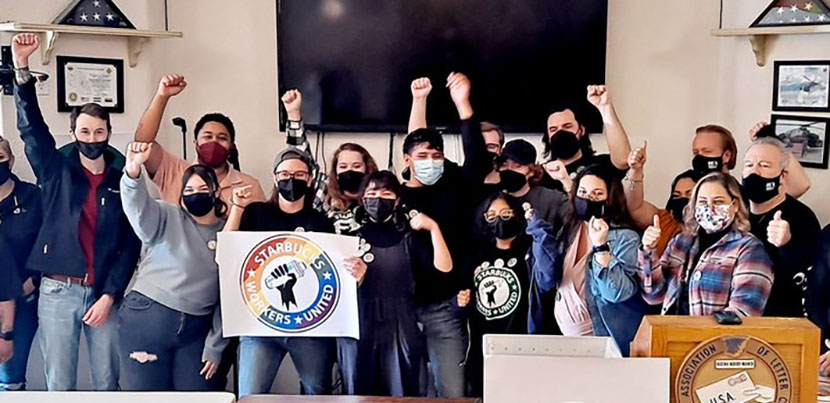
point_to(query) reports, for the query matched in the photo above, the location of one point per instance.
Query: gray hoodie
(179, 269)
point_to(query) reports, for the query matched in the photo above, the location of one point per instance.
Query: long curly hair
(336, 199)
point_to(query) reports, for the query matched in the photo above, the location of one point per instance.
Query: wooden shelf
(49, 34)
(758, 36)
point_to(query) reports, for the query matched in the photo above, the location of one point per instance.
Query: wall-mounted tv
(354, 59)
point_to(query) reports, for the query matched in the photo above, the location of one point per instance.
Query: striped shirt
(734, 274)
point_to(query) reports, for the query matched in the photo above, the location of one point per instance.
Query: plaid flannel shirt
(734, 274)
(296, 139)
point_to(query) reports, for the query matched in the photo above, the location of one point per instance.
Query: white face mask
(713, 218)
(428, 171)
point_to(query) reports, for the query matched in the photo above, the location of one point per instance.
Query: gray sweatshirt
(179, 269)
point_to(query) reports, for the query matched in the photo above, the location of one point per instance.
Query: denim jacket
(614, 292)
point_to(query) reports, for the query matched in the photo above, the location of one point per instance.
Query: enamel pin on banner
(287, 284)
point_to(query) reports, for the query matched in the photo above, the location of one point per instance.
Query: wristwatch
(602, 248)
(8, 336)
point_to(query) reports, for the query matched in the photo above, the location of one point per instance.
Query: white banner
(287, 284)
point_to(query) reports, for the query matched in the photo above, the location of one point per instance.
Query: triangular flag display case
(93, 13)
(783, 13)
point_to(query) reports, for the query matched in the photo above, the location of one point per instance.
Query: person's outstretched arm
(618, 145)
(641, 211)
(420, 88)
(45, 160)
(148, 127)
(296, 138)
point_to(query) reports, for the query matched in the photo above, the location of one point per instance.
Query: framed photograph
(82, 80)
(801, 86)
(805, 137)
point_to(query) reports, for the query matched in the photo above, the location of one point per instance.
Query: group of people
(500, 244)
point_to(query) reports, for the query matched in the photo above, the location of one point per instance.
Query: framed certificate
(82, 80)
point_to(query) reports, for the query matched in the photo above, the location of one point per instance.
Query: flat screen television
(354, 60)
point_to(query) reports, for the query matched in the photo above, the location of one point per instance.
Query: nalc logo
(289, 283)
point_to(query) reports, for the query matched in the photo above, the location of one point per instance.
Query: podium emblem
(734, 369)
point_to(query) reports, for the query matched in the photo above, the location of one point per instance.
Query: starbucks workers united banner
(287, 284)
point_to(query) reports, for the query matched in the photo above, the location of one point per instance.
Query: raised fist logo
(283, 278)
(491, 292)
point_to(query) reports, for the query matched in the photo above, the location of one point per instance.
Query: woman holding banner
(177, 284)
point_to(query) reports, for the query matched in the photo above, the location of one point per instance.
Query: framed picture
(805, 137)
(801, 86)
(82, 80)
(784, 13)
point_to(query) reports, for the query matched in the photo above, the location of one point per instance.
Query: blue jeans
(260, 359)
(161, 348)
(445, 328)
(60, 310)
(13, 372)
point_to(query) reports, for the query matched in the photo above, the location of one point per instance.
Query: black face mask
(675, 205)
(759, 189)
(5, 172)
(585, 208)
(292, 189)
(563, 145)
(349, 181)
(706, 165)
(505, 229)
(91, 150)
(199, 204)
(512, 181)
(379, 209)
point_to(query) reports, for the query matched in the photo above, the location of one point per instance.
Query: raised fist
(137, 154)
(23, 45)
(422, 222)
(171, 85)
(242, 196)
(652, 235)
(598, 95)
(420, 87)
(459, 86)
(293, 102)
(753, 132)
(597, 231)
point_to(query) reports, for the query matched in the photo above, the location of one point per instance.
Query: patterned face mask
(713, 218)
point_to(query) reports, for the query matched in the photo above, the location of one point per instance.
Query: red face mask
(213, 154)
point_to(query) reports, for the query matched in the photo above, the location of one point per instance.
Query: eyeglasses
(285, 175)
(503, 214)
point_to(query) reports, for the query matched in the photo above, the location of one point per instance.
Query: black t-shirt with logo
(499, 289)
(574, 168)
(265, 216)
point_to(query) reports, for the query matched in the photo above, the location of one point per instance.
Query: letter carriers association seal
(733, 368)
(289, 283)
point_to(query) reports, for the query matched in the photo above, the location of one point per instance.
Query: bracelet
(602, 248)
(236, 205)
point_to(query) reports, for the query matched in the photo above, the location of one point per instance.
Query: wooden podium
(710, 354)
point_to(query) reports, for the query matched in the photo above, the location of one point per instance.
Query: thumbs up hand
(652, 235)
(778, 231)
(637, 158)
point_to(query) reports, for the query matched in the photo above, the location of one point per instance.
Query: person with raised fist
(177, 285)
(672, 216)
(788, 228)
(86, 249)
(21, 214)
(567, 141)
(391, 350)
(214, 137)
(715, 264)
(290, 208)
(588, 271)
(448, 194)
